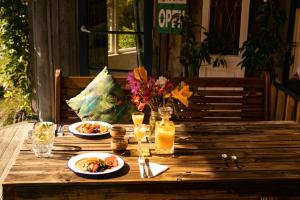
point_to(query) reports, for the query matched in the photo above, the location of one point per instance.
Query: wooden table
(268, 166)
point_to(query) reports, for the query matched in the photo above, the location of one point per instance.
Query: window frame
(114, 48)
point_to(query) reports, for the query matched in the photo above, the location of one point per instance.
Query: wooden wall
(54, 36)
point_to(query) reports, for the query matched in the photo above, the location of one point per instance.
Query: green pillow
(101, 100)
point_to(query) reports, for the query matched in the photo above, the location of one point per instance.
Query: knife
(149, 172)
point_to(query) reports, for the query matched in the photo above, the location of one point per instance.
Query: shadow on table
(64, 152)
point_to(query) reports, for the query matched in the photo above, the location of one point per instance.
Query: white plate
(72, 129)
(75, 159)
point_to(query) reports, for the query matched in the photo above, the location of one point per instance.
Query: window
(120, 17)
(112, 35)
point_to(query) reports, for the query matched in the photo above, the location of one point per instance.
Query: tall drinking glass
(139, 133)
(43, 139)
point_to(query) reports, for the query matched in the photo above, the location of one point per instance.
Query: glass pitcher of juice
(164, 132)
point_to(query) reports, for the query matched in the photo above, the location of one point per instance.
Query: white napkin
(157, 169)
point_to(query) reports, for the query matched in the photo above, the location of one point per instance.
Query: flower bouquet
(156, 92)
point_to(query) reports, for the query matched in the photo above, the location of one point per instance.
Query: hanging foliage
(15, 50)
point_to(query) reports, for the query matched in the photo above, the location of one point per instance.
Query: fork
(142, 164)
(59, 131)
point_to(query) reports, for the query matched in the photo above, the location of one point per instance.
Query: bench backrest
(227, 99)
(214, 99)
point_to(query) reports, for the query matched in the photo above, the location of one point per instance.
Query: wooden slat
(267, 93)
(222, 82)
(57, 95)
(11, 139)
(273, 99)
(298, 112)
(75, 82)
(290, 107)
(220, 113)
(232, 106)
(223, 92)
(248, 100)
(280, 106)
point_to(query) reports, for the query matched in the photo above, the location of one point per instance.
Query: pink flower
(134, 84)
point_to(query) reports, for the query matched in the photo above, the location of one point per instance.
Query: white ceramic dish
(72, 129)
(72, 163)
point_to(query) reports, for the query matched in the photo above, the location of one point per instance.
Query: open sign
(168, 12)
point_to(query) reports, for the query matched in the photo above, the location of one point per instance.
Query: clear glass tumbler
(43, 139)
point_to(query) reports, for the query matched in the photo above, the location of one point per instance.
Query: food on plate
(91, 128)
(96, 164)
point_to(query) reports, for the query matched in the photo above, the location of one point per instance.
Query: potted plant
(195, 53)
(265, 47)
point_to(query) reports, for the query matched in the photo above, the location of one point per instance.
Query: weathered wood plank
(222, 82)
(290, 108)
(298, 112)
(280, 106)
(273, 99)
(11, 138)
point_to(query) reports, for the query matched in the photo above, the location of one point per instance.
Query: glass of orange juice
(164, 132)
(137, 118)
(139, 133)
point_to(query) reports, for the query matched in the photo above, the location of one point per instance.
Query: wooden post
(57, 96)
(54, 36)
(273, 99)
(42, 64)
(267, 95)
(298, 112)
(280, 105)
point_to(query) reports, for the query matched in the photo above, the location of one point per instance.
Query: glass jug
(164, 132)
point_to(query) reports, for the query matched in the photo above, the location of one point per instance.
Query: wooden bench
(214, 99)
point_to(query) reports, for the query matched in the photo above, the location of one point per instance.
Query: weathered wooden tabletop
(268, 165)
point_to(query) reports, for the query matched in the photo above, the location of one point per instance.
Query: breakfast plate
(106, 163)
(89, 129)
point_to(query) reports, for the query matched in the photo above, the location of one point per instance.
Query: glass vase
(154, 117)
(164, 132)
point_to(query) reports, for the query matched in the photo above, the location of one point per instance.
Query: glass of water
(43, 139)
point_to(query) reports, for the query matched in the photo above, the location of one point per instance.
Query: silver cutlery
(59, 130)
(148, 168)
(225, 158)
(234, 159)
(142, 166)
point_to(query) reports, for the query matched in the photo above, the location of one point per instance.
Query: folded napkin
(150, 169)
(157, 169)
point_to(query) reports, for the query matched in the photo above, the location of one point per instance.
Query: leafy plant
(15, 50)
(261, 49)
(195, 53)
(126, 41)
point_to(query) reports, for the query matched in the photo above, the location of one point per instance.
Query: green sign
(167, 12)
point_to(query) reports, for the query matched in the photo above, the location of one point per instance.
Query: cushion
(101, 100)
